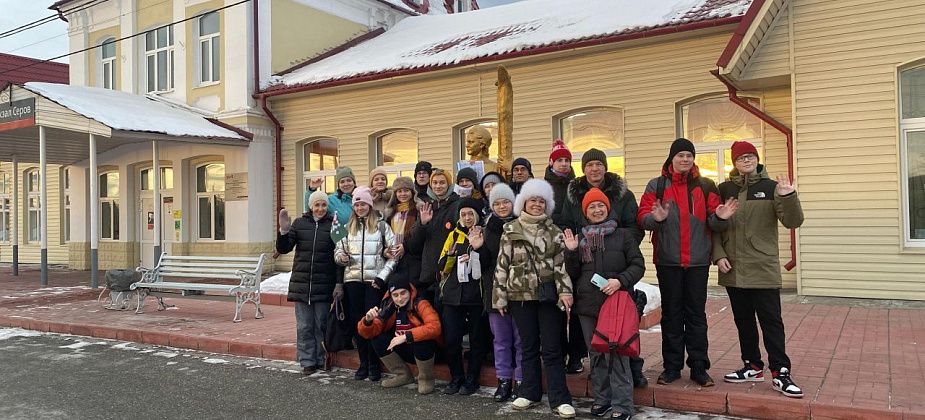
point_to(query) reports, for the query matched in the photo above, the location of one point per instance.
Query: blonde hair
(372, 222)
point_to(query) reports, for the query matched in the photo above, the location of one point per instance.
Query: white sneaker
(522, 403)
(784, 384)
(749, 373)
(565, 411)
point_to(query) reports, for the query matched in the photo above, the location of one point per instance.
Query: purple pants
(507, 341)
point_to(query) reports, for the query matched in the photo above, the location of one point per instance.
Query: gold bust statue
(478, 140)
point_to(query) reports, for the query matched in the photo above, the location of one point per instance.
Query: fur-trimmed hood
(614, 186)
(535, 188)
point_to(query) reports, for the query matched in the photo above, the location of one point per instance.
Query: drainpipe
(787, 132)
(278, 127)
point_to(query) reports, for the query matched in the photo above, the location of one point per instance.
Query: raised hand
(571, 241)
(426, 213)
(285, 222)
(724, 265)
(660, 211)
(728, 209)
(372, 313)
(315, 183)
(784, 186)
(476, 237)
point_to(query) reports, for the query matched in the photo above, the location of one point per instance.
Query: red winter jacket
(423, 317)
(684, 238)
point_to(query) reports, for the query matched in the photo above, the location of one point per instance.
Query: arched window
(147, 180)
(5, 225)
(210, 200)
(108, 63)
(397, 150)
(460, 136)
(912, 127)
(33, 205)
(109, 205)
(319, 160)
(713, 124)
(596, 127)
(209, 48)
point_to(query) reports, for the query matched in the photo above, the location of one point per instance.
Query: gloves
(338, 291)
(285, 222)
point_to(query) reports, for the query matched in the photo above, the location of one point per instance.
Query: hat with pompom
(559, 150)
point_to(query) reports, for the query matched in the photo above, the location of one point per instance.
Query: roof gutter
(513, 54)
(786, 131)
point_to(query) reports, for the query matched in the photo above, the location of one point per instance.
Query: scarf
(402, 221)
(593, 239)
(435, 197)
(450, 247)
(462, 191)
(561, 174)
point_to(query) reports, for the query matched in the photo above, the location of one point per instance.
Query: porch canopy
(80, 122)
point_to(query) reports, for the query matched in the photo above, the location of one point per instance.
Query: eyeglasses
(744, 158)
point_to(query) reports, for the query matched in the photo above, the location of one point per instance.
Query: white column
(94, 214)
(156, 168)
(15, 215)
(43, 204)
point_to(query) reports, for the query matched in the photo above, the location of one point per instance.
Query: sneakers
(669, 376)
(621, 416)
(784, 384)
(701, 377)
(574, 366)
(749, 373)
(601, 410)
(522, 404)
(564, 411)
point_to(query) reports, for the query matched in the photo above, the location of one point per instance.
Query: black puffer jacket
(560, 192)
(488, 256)
(427, 240)
(623, 207)
(314, 273)
(619, 259)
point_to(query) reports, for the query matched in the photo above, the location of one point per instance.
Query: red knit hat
(559, 151)
(594, 194)
(740, 148)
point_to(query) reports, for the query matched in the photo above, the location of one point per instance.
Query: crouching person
(403, 329)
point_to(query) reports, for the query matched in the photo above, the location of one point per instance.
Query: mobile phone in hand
(599, 281)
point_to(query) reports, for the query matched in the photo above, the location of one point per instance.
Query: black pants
(765, 303)
(684, 318)
(420, 350)
(540, 326)
(572, 338)
(457, 322)
(360, 297)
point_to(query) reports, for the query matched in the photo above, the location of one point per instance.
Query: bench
(247, 270)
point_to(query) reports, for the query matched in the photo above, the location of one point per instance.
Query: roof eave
(742, 34)
(666, 30)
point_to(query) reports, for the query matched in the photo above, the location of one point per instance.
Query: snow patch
(125, 346)
(166, 354)
(278, 283)
(6, 333)
(214, 361)
(81, 344)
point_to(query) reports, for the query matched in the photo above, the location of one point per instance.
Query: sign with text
(236, 186)
(17, 114)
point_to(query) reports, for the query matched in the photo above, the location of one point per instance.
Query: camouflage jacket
(528, 258)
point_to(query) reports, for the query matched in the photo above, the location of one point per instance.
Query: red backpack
(617, 326)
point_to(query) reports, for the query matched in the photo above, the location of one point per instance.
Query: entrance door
(146, 225)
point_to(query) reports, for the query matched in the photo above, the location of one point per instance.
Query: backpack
(617, 329)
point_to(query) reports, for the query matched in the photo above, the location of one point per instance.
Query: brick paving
(853, 361)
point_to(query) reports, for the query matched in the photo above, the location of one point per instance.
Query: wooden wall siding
(30, 252)
(846, 53)
(647, 81)
(772, 57)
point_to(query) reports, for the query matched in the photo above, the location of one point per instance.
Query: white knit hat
(535, 188)
(318, 195)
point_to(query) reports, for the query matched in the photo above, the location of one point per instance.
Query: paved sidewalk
(854, 359)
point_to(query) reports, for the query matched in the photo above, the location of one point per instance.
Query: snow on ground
(7, 333)
(276, 284)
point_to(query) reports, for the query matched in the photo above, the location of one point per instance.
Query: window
(210, 200)
(713, 124)
(319, 159)
(108, 63)
(600, 128)
(159, 59)
(912, 127)
(5, 225)
(147, 181)
(66, 205)
(209, 48)
(33, 206)
(109, 206)
(491, 126)
(397, 151)
(462, 5)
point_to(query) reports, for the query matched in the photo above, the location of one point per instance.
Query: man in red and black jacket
(681, 208)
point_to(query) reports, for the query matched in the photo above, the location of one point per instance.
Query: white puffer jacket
(366, 254)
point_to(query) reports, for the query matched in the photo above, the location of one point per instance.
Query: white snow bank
(653, 295)
(6, 333)
(276, 284)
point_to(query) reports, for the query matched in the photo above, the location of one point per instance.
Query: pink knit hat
(362, 195)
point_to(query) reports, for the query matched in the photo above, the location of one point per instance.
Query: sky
(50, 40)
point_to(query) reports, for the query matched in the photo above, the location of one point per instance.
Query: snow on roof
(127, 112)
(444, 40)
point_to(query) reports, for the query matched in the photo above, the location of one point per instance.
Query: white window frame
(153, 53)
(463, 6)
(114, 208)
(906, 126)
(325, 174)
(719, 148)
(557, 130)
(5, 213)
(208, 41)
(212, 196)
(108, 65)
(393, 171)
(33, 190)
(163, 183)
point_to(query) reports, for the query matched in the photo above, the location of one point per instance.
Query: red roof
(13, 70)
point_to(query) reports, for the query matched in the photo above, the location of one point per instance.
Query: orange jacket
(424, 320)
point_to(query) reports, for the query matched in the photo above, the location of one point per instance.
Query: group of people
(509, 263)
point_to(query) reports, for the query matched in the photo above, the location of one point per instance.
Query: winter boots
(396, 365)
(425, 376)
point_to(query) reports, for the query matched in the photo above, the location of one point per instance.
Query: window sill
(207, 84)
